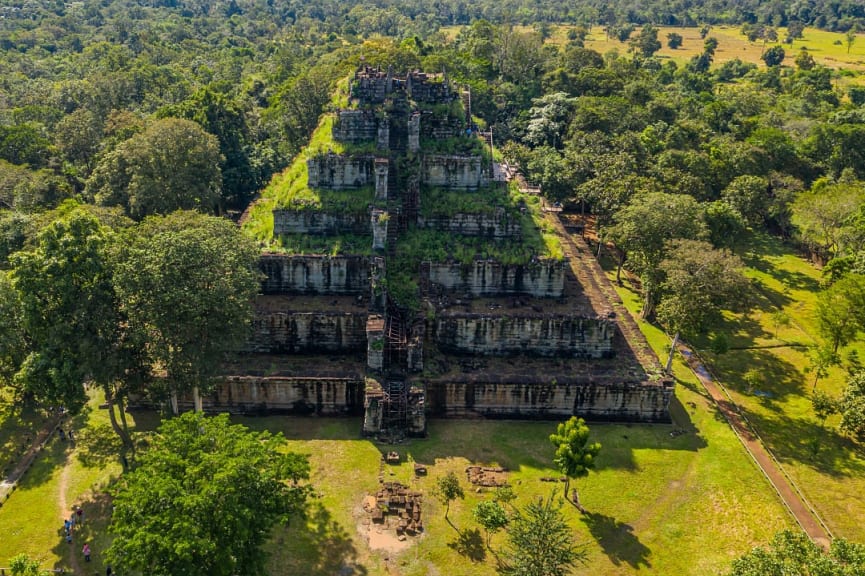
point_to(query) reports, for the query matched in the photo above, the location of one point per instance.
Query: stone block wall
(625, 401)
(436, 127)
(355, 126)
(319, 223)
(277, 394)
(452, 171)
(339, 172)
(286, 274)
(498, 224)
(543, 279)
(288, 332)
(554, 335)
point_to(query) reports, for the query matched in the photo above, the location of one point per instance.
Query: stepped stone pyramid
(413, 281)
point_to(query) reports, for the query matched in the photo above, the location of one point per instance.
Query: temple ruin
(412, 280)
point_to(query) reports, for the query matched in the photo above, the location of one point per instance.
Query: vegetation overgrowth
(754, 129)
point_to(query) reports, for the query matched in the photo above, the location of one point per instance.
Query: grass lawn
(683, 504)
(828, 468)
(658, 503)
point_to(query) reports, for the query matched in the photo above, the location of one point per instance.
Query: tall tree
(841, 311)
(540, 542)
(642, 230)
(699, 281)
(575, 456)
(187, 281)
(491, 516)
(852, 406)
(646, 42)
(70, 314)
(172, 165)
(447, 490)
(203, 499)
(13, 346)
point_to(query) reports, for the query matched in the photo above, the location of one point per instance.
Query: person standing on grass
(86, 551)
(80, 514)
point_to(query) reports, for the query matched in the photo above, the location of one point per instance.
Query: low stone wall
(303, 395)
(558, 335)
(452, 171)
(286, 274)
(307, 332)
(338, 172)
(498, 224)
(439, 127)
(319, 223)
(355, 126)
(543, 279)
(643, 402)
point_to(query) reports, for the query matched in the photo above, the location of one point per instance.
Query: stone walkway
(790, 494)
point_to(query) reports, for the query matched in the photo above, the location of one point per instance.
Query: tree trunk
(124, 436)
(175, 410)
(622, 258)
(196, 398)
(648, 306)
(668, 368)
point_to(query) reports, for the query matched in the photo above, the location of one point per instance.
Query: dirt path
(64, 511)
(792, 497)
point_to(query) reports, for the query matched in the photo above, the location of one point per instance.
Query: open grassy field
(823, 45)
(827, 467)
(659, 503)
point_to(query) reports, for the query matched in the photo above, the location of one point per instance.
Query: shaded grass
(683, 504)
(827, 467)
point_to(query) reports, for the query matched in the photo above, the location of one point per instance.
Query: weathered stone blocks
(543, 279)
(319, 223)
(287, 332)
(285, 274)
(452, 171)
(552, 335)
(340, 172)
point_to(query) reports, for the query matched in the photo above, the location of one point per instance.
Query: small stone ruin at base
(396, 507)
(487, 477)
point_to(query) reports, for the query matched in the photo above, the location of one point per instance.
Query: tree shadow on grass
(315, 546)
(470, 544)
(617, 540)
(98, 445)
(803, 440)
(93, 530)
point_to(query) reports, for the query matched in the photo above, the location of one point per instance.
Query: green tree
(824, 405)
(773, 56)
(794, 553)
(699, 281)
(750, 196)
(540, 542)
(447, 490)
(575, 456)
(852, 406)
(71, 316)
(203, 499)
(850, 38)
(826, 217)
(22, 565)
(674, 40)
(491, 516)
(187, 281)
(173, 164)
(841, 311)
(642, 229)
(13, 346)
(646, 42)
